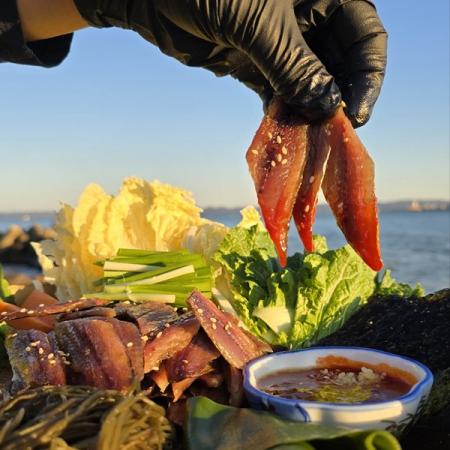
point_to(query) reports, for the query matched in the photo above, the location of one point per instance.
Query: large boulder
(15, 244)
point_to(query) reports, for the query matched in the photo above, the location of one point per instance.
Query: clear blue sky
(118, 107)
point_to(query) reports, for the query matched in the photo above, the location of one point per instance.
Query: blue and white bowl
(393, 415)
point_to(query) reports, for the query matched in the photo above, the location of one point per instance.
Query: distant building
(415, 207)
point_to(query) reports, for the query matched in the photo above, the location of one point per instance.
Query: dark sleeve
(13, 48)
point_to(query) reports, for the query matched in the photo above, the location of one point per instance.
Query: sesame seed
(41, 351)
(167, 325)
(155, 368)
(23, 310)
(67, 363)
(144, 338)
(306, 208)
(213, 319)
(255, 152)
(159, 334)
(227, 326)
(284, 162)
(311, 179)
(279, 139)
(214, 326)
(41, 305)
(200, 310)
(346, 139)
(269, 135)
(30, 311)
(4, 313)
(284, 150)
(35, 343)
(50, 355)
(13, 335)
(184, 361)
(273, 163)
(28, 349)
(129, 344)
(53, 361)
(87, 351)
(279, 157)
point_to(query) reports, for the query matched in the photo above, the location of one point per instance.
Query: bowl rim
(405, 398)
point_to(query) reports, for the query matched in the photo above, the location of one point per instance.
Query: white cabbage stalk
(144, 215)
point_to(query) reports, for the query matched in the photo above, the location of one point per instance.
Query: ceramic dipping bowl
(393, 415)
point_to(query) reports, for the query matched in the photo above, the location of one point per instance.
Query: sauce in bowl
(334, 385)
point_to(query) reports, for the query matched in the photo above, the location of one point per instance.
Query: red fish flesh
(276, 159)
(286, 185)
(233, 343)
(170, 341)
(349, 189)
(305, 206)
(34, 359)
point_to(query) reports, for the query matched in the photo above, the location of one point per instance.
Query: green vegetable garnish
(295, 306)
(167, 277)
(211, 426)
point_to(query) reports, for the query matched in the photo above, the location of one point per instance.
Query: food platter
(149, 315)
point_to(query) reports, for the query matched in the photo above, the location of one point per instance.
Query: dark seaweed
(418, 328)
(414, 327)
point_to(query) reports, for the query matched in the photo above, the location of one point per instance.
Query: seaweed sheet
(417, 327)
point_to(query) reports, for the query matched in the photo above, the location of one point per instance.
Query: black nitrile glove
(264, 44)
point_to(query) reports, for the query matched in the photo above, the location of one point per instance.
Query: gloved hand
(273, 46)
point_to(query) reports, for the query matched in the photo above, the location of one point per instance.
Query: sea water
(415, 245)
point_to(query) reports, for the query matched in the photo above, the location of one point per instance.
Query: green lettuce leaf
(333, 285)
(211, 426)
(386, 285)
(310, 298)
(297, 305)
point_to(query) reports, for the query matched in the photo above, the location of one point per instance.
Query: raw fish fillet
(34, 359)
(349, 189)
(232, 342)
(305, 206)
(289, 161)
(276, 159)
(170, 341)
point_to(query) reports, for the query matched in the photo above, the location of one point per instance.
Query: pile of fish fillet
(290, 160)
(173, 354)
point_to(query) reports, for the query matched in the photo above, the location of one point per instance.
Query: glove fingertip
(313, 106)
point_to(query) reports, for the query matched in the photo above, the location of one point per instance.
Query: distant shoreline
(398, 206)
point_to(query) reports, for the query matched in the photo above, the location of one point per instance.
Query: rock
(15, 244)
(12, 236)
(38, 233)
